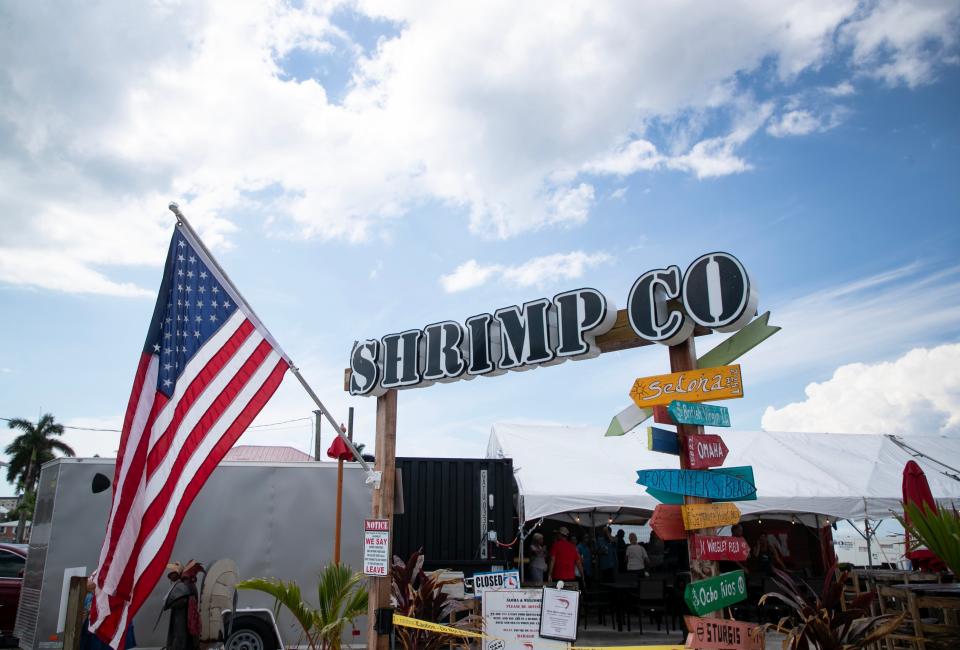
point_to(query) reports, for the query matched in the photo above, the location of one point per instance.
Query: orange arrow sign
(722, 382)
(709, 515)
(667, 523)
(705, 451)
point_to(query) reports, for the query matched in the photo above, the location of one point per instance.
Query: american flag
(207, 368)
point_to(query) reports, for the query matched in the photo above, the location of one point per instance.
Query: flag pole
(182, 221)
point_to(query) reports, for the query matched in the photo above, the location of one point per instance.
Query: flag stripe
(222, 394)
(135, 396)
(156, 550)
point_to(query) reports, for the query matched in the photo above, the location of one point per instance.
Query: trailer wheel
(249, 633)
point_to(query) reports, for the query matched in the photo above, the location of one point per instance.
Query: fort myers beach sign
(663, 306)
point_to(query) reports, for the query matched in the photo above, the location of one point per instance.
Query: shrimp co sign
(663, 306)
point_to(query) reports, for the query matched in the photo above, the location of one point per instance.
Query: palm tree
(342, 597)
(33, 448)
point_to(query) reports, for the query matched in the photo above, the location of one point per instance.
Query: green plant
(938, 529)
(419, 594)
(32, 448)
(821, 621)
(341, 595)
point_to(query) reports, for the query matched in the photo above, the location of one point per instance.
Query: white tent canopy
(563, 469)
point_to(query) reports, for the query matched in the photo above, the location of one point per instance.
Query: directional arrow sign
(744, 473)
(696, 483)
(708, 515)
(705, 451)
(729, 351)
(706, 415)
(663, 441)
(718, 634)
(715, 593)
(712, 547)
(667, 523)
(722, 382)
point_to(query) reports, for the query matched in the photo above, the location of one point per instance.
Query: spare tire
(250, 633)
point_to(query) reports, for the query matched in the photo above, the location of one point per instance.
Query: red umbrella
(916, 490)
(339, 451)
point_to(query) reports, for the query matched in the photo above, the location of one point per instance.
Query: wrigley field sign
(663, 306)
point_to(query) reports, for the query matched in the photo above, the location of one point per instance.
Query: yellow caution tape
(406, 621)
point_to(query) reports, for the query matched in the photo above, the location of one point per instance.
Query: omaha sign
(705, 451)
(663, 306)
(705, 596)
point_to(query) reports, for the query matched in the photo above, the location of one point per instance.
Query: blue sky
(363, 169)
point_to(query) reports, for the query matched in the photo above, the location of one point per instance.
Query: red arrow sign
(667, 523)
(704, 451)
(661, 415)
(711, 547)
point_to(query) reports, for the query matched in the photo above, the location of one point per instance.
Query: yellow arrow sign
(722, 382)
(709, 515)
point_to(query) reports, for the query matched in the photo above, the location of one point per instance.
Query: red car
(13, 559)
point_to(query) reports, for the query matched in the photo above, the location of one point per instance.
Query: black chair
(649, 600)
(595, 601)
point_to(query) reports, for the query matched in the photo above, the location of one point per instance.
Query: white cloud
(532, 273)
(619, 194)
(114, 108)
(919, 393)
(842, 89)
(902, 42)
(794, 123)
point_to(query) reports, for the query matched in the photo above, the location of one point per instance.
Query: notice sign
(558, 614)
(376, 547)
(496, 580)
(512, 619)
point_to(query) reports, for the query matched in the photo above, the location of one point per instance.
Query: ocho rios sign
(716, 593)
(663, 306)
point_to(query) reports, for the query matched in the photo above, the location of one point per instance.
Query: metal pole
(317, 447)
(182, 221)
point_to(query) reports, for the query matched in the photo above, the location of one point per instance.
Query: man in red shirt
(564, 559)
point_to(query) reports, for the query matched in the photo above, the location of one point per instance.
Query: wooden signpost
(709, 515)
(718, 634)
(713, 547)
(667, 523)
(722, 382)
(715, 593)
(696, 483)
(705, 451)
(706, 415)
(662, 441)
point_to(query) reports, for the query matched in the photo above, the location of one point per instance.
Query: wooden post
(683, 356)
(73, 623)
(386, 451)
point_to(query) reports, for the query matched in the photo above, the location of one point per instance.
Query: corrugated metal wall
(445, 511)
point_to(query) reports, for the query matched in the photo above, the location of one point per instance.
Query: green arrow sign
(724, 354)
(706, 415)
(715, 593)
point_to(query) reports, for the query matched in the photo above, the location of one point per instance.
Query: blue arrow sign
(663, 441)
(744, 473)
(697, 483)
(706, 415)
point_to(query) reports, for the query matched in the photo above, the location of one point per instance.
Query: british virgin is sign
(663, 306)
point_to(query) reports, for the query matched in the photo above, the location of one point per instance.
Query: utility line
(256, 426)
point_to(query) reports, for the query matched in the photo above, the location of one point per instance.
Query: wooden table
(939, 597)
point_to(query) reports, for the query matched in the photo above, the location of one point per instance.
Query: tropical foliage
(821, 621)
(937, 529)
(419, 594)
(32, 448)
(341, 597)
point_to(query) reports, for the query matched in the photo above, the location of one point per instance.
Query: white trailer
(272, 519)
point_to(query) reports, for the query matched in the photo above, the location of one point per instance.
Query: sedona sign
(663, 306)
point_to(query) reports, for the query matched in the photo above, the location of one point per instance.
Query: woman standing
(538, 560)
(637, 558)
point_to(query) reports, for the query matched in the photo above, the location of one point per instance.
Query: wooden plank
(744, 473)
(709, 515)
(663, 441)
(707, 415)
(73, 623)
(715, 547)
(696, 483)
(718, 634)
(706, 451)
(721, 382)
(662, 416)
(667, 523)
(711, 594)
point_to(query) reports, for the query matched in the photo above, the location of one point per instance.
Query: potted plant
(341, 597)
(936, 528)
